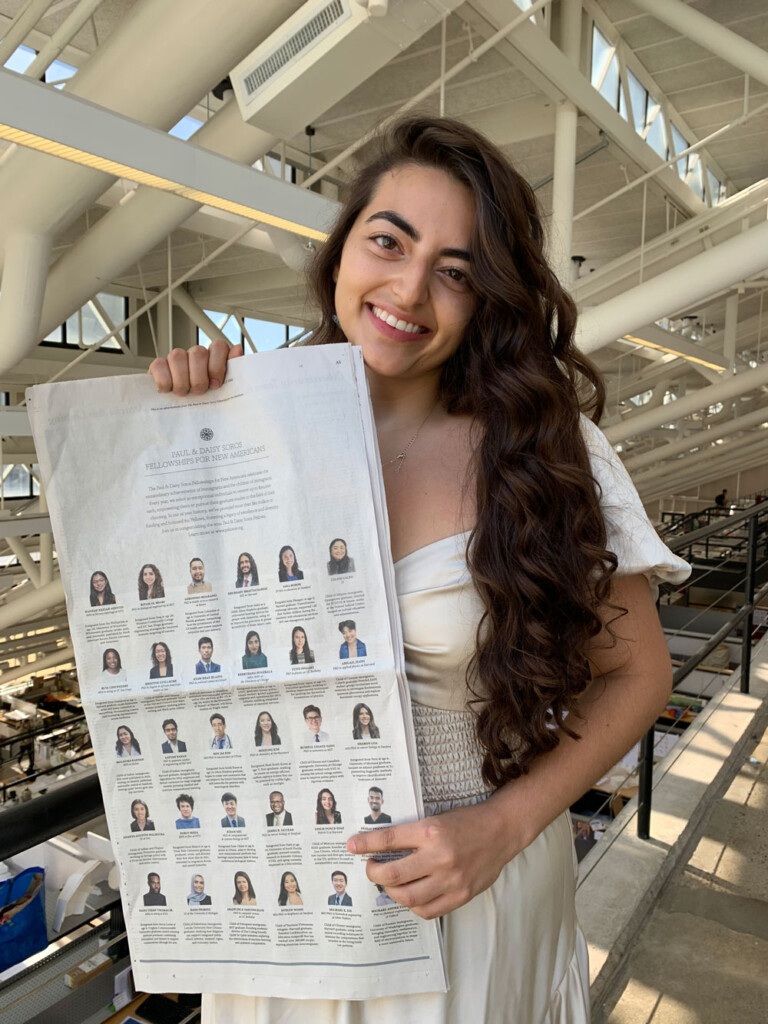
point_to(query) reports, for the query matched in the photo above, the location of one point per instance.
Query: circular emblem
(206, 434)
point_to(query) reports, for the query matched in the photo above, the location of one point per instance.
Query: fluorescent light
(120, 170)
(673, 348)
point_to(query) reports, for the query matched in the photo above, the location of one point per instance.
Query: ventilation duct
(325, 50)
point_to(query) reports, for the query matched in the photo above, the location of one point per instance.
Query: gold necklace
(400, 458)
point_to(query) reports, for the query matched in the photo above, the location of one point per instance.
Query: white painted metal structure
(643, 125)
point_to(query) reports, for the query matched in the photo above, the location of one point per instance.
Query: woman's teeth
(401, 325)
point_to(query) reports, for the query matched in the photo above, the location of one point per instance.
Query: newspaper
(231, 598)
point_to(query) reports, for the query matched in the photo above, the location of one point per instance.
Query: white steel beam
(731, 387)
(23, 608)
(703, 275)
(697, 440)
(65, 656)
(716, 38)
(534, 50)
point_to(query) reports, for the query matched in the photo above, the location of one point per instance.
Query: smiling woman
(506, 508)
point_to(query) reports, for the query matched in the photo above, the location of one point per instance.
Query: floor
(702, 957)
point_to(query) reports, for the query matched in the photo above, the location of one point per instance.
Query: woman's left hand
(455, 856)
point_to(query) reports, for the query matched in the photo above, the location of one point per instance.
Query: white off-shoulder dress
(515, 954)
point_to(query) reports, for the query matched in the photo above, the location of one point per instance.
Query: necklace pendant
(398, 461)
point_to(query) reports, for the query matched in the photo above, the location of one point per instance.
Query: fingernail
(351, 847)
(215, 383)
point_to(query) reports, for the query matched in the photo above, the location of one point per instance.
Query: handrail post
(749, 597)
(644, 796)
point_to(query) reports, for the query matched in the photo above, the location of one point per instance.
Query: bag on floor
(23, 929)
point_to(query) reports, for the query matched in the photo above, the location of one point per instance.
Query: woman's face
(198, 883)
(299, 639)
(289, 559)
(364, 718)
(160, 656)
(148, 575)
(112, 661)
(350, 635)
(265, 722)
(290, 883)
(124, 736)
(244, 564)
(402, 292)
(141, 812)
(99, 582)
(326, 800)
(253, 645)
(241, 883)
(338, 550)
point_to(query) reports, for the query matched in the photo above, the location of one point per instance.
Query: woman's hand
(194, 370)
(456, 855)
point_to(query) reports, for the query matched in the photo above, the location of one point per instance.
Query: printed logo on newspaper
(206, 434)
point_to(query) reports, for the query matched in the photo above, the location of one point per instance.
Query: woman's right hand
(194, 370)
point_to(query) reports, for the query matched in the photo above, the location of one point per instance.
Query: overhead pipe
(23, 287)
(731, 387)
(32, 603)
(21, 26)
(142, 220)
(64, 656)
(62, 37)
(679, 288)
(716, 38)
(752, 419)
(682, 465)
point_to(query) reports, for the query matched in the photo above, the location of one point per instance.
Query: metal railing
(756, 520)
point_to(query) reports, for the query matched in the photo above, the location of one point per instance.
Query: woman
(352, 647)
(265, 734)
(101, 592)
(244, 893)
(340, 563)
(326, 813)
(197, 896)
(287, 567)
(478, 399)
(300, 652)
(162, 665)
(254, 657)
(247, 573)
(126, 744)
(141, 820)
(290, 893)
(363, 725)
(112, 666)
(150, 583)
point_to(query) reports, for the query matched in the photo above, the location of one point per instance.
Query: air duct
(326, 49)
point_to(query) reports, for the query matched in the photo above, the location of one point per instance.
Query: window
(20, 59)
(265, 334)
(602, 51)
(58, 73)
(186, 127)
(639, 98)
(656, 136)
(18, 482)
(88, 325)
(679, 142)
(695, 177)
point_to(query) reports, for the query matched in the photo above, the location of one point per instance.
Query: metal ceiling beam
(691, 282)
(533, 50)
(714, 470)
(698, 440)
(250, 284)
(716, 38)
(732, 387)
(732, 451)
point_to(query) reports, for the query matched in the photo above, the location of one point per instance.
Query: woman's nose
(411, 285)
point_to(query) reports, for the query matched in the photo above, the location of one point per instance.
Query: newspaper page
(231, 598)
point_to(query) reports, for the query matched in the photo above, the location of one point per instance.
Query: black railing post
(749, 597)
(644, 796)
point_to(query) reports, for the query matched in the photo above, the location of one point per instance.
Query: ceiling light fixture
(120, 170)
(670, 349)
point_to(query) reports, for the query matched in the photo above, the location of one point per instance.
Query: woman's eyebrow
(411, 232)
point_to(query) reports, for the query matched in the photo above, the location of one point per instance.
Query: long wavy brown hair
(537, 553)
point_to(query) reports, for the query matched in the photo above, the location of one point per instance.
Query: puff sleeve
(631, 536)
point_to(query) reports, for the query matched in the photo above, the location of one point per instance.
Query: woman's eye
(385, 242)
(455, 275)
